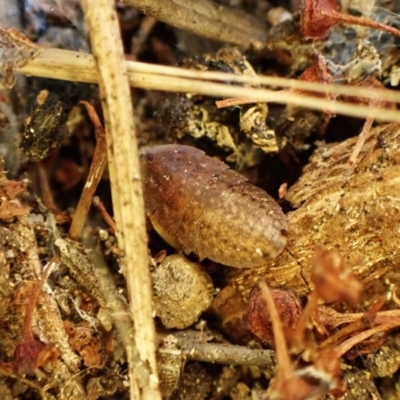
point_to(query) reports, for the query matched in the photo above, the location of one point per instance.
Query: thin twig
(195, 346)
(146, 26)
(29, 312)
(282, 352)
(361, 140)
(104, 213)
(360, 337)
(128, 204)
(362, 21)
(227, 354)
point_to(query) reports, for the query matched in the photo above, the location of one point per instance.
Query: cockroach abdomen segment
(197, 204)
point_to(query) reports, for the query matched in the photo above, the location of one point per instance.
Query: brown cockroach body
(197, 204)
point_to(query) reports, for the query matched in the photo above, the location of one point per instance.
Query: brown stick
(96, 170)
(226, 354)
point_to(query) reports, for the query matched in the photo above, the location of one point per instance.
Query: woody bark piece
(207, 19)
(353, 211)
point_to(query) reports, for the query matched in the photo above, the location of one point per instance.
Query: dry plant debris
(343, 208)
(76, 319)
(16, 51)
(181, 290)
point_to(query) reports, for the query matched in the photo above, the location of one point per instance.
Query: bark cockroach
(197, 204)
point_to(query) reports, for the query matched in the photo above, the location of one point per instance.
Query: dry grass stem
(102, 23)
(80, 67)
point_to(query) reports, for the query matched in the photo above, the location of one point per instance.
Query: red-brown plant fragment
(257, 318)
(9, 205)
(291, 382)
(319, 73)
(307, 368)
(30, 353)
(85, 343)
(319, 16)
(11, 189)
(10, 209)
(333, 280)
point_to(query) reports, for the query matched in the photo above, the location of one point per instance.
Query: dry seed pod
(197, 204)
(182, 291)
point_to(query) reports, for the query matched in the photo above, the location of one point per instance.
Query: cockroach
(198, 204)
